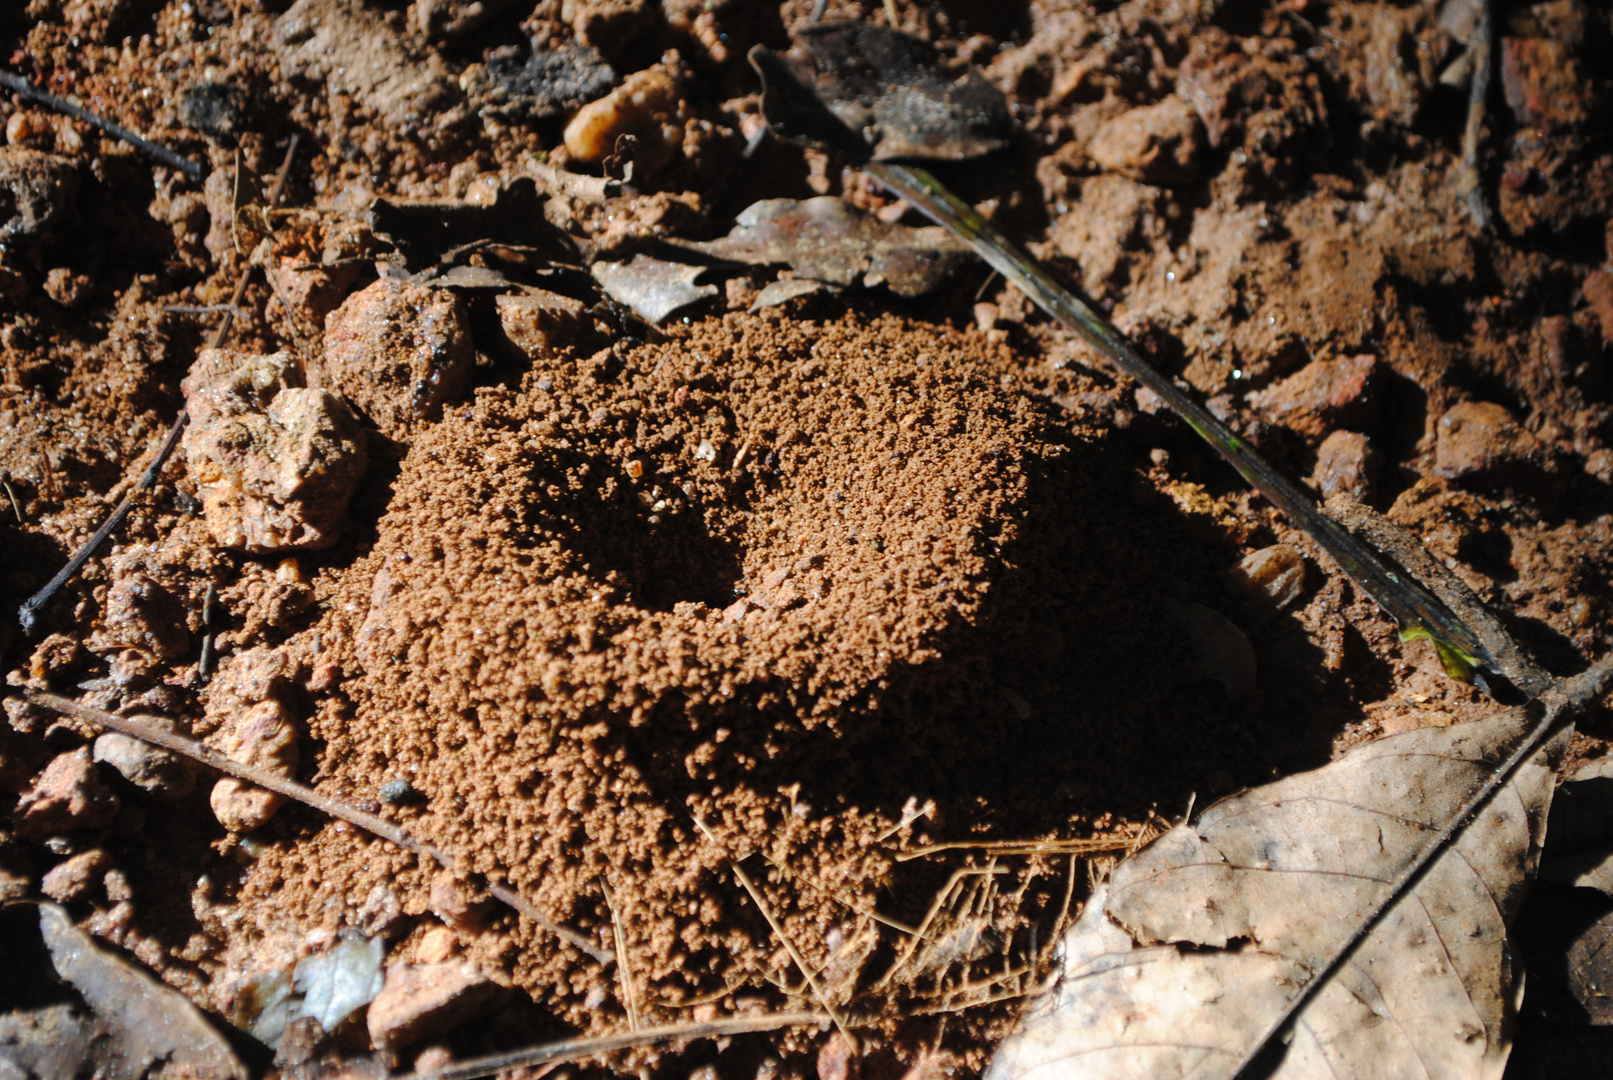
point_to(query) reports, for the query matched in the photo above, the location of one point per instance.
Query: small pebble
(648, 106)
(455, 902)
(399, 792)
(1276, 572)
(74, 879)
(67, 797)
(436, 945)
(418, 1003)
(159, 773)
(263, 736)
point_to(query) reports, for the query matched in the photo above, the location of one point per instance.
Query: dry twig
(1469, 183)
(578, 1049)
(624, 970)
(778, 930)
(139, 728)
(23, 88)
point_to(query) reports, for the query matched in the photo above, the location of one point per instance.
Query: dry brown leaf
(1204, 945)
(653, 288)
(136, 1026)
(888, 89)
(828, 239)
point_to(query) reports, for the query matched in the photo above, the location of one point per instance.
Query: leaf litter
(976, 926)
(116, 1020)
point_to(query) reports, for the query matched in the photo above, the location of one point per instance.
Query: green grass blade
(1420, 615)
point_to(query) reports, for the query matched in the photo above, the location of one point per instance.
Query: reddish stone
(67, 797)
(1346, 462)
(1323, 395)
(397, 353)
(1482, 446)
(422, 1002)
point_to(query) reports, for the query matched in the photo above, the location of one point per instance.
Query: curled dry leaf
(430, 232)
(136, 1026)
(1567, 929)
(830, 240)
(1579, 837)
(654, 288)
(1367, 901)
(886, 87)
(784, 290)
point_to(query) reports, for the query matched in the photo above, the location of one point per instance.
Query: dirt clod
(357, 52)
(1347, 461)
(142, 614)
(422, 1002)
(273, 462)
(38, 191)
(1157, 144)
(1482, 446)
(67, 797)
(398, 352)
(77, 877)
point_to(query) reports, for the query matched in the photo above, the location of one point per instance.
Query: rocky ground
(905, 605)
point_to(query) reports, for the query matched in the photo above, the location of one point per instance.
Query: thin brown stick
(1020, 847)
(578, 1049)
(867, 913)
(12, 495)
(146, 731)
(795, 954)
(25, 89)
(922, 935)
(1469, 181)
(772, 921)
(624, 971)
(28, 614)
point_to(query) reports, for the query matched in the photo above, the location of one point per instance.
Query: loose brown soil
(844, 591)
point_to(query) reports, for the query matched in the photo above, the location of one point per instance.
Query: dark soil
(808, 589)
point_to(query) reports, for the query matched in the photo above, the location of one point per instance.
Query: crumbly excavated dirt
(835, 581)
(774, 578)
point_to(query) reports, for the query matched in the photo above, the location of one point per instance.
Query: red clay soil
(841, 592)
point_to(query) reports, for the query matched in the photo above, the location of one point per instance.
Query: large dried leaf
(1202, 946)
(128, 1026)
(887, 88)
(1568, 925)
(426, 233)
(653, 288)
(830, 240)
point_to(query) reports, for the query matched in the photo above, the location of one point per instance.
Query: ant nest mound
(752, 589)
